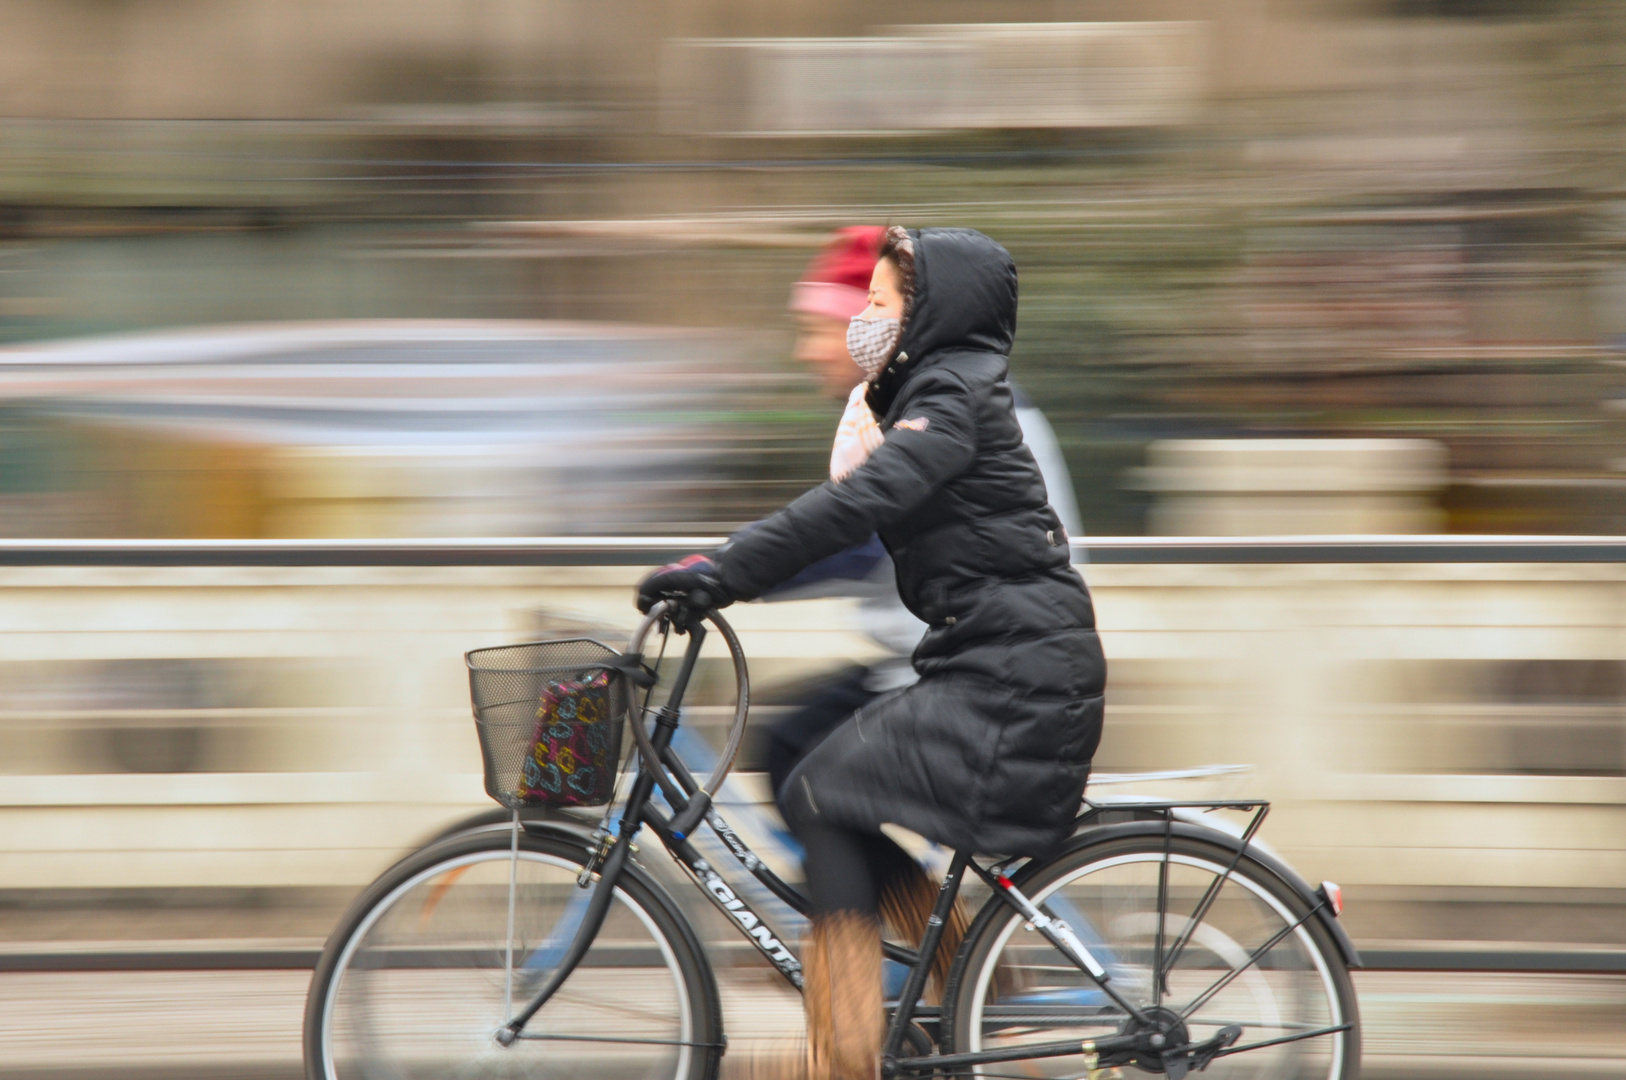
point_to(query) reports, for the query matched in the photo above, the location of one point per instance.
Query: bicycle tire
(411, 982)
(1008, 986)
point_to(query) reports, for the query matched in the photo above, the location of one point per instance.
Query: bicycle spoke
(1246, 960)
(1162, 914)
(1253, 958)
(617, 1010)
(1064, 969)
(1228, 1051)
(1286, 1025)
(614, 1008)
(529, 1037)
(418, 998)
(1030, 1014)
(1028, 1026)
(1211, 894)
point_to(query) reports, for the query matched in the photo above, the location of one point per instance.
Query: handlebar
(698, 802)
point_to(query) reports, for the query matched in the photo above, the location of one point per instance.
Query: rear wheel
(1256, 958)
(417, 978)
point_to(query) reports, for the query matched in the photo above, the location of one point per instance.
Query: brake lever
(687, 609)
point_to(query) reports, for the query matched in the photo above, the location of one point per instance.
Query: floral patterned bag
(576, 746)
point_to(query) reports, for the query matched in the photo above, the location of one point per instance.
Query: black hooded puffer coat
(990, 749)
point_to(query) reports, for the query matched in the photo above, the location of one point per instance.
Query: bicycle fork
(592, 919)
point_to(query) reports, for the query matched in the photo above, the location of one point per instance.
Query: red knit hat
(836, 283)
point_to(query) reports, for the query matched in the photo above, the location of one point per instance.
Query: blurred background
(1294, 219)
(480, 268)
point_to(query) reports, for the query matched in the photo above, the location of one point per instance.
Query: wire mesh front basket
(550, 715)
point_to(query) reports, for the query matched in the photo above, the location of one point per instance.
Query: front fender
(1219, 838)
(495, 817)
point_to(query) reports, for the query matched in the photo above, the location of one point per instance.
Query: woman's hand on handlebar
(696, 582)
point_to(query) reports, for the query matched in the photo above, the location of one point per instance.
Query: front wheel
(1255, 958)
(422, 971)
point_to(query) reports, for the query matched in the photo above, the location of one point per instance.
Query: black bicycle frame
(669, 773)
(660, 767)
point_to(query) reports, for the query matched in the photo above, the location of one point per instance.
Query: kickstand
(1196, 1058)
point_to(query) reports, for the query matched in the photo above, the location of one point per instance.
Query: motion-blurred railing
(1434, 716)
(647, 550)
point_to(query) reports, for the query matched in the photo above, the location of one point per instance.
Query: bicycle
(545, 948)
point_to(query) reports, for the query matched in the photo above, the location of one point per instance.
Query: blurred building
(937, 78)
(1376, 219)
(1238, 487)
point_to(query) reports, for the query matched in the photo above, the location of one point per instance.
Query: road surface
(225, 1025)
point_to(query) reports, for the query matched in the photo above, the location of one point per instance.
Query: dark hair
(898, 249)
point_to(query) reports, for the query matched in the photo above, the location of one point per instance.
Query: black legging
(847, 869)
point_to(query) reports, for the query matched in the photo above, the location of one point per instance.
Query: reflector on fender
(1333, 894)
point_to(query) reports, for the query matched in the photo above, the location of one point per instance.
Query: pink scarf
(857, 437)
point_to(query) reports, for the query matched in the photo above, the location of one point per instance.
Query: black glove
(695, 581)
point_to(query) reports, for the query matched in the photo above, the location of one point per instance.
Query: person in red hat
(833, 290)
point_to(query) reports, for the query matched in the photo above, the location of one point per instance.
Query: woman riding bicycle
(989, 751)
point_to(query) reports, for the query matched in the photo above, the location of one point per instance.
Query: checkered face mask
(870, 343)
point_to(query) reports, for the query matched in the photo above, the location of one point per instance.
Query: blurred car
(367, 428)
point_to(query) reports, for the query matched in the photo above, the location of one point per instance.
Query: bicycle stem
(653, 753)
(690, 803)
(686, 621)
